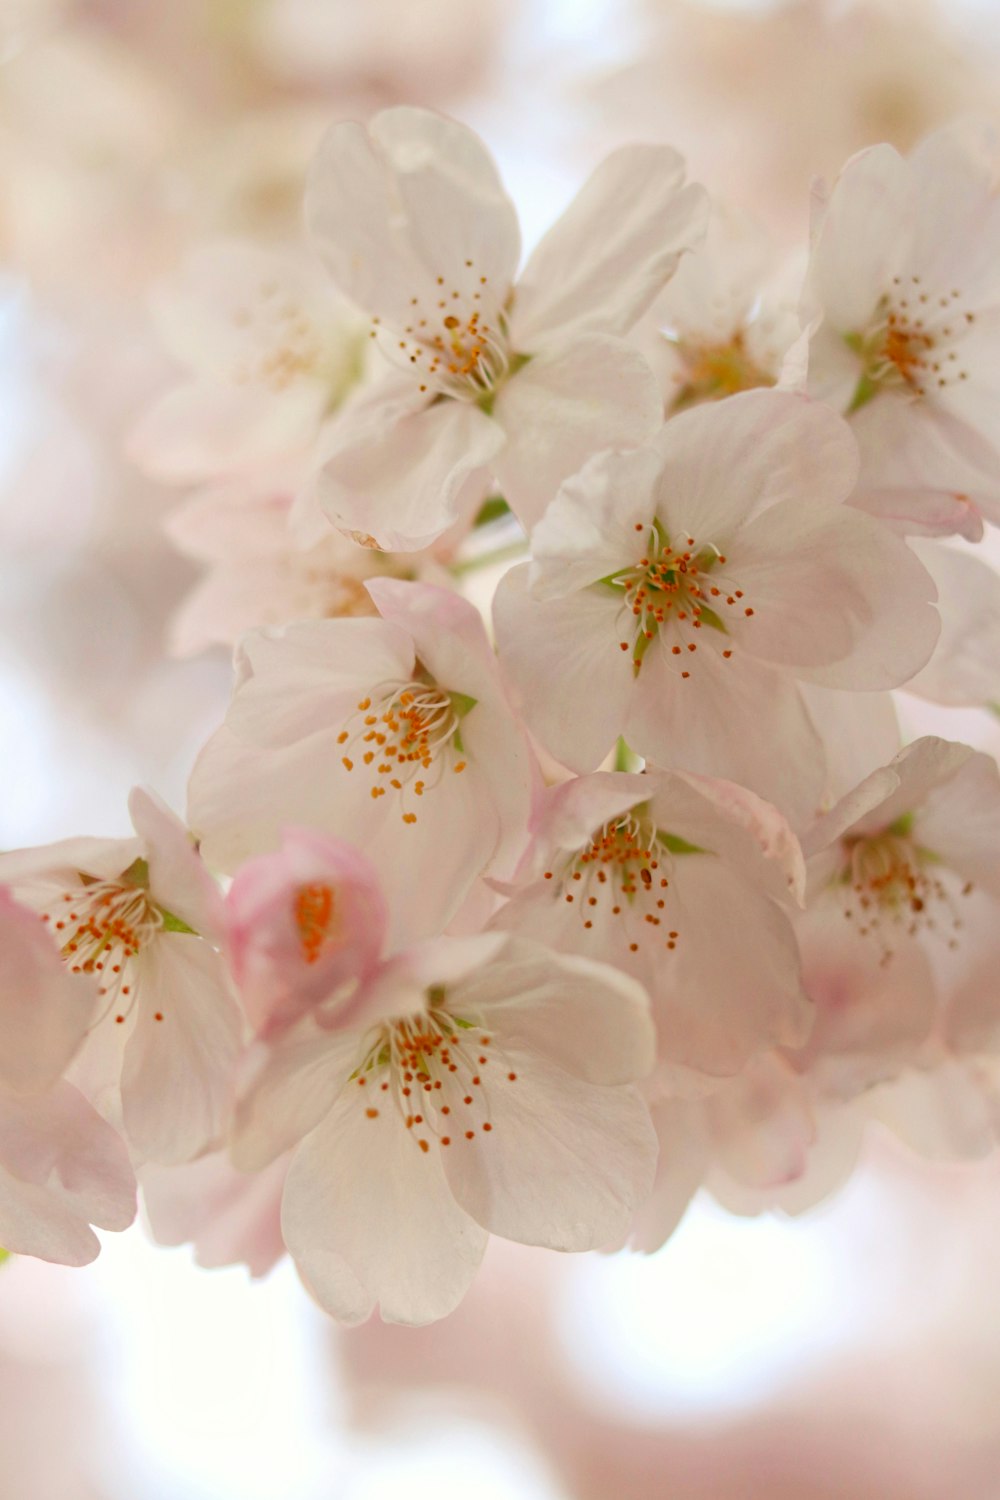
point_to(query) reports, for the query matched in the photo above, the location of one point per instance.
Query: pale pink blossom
(139, 915)
(489, 1090)
(394, 733)
(521, 380)
(727, 319)
(271, 351)
(904, 284)
(230, 1217)
(267, 563)
(679, 594)
(304, 925)
(902, 853)
(964, 671)
(62, 1168)
(678, 881)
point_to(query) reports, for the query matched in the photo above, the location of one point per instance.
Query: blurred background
(853, 1352)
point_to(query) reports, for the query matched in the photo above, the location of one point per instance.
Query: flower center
(101, 927)
(411, 729)
(620, 874)
(316, 919)
(430, 1069)
(457, 342)
(712, 371)
(282, 344)
(677, 585)
(913, 342)
(889, 885)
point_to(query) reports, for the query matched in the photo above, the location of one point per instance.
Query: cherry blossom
(304, 924)
(490, 1089)
(519, 380)
(682, 591)
(271, 353)
(267, 561)
(138, 916)
(903, 278)
(62, 1168)
(727, 319)
(394, 733)
(903, 852)
(676, 880)
(230, 1217)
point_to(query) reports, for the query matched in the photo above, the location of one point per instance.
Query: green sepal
(462, 704)
(174, 924)
(863, 393)
(677, 845)
(137, 874)
(711, 619)
(491, 510)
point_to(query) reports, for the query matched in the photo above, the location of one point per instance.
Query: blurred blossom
(794, 87)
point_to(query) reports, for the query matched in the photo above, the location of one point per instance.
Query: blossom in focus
(393, 733)
(62, 1168)
(676, 880)
(489, 1089)
(904, 283)
(679, 593)
(137, 917)
(519, 380)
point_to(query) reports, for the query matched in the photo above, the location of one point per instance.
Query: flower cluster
(532, 914)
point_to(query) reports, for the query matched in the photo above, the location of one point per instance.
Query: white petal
(836, 596)
(403, 487)
(733, 987)
(413, 200)
(178, 1073)
(44, 1009)
(710, 723)
(561, 654)
(567, 403)
(370, 1220)
(585, 1018)
(602, 263)
(726, 461)
(965, 668)
(863, 236)
(178, 881)
(61, 1169)
(199, 431)
(566, 1163)
(300, 679)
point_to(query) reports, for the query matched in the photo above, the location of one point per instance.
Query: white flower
(522, 381)
(393, 733)
(137, 915)
(491, 1091)
(679, 593)
(674, 879)
(904, 851)
(271, 352)
(728, 317)
(267, 561)
(62, 1168)
(905, 275)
